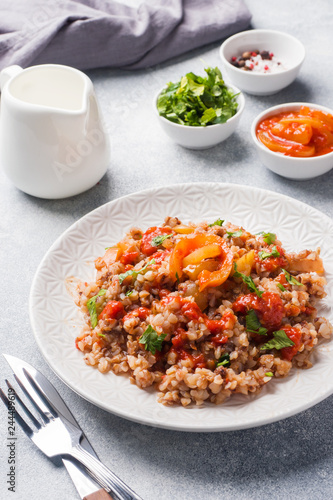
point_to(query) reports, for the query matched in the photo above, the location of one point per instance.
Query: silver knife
(86, 487)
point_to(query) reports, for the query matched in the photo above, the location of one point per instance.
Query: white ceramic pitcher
(52, 140)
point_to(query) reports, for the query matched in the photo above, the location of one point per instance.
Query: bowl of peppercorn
(262, 62)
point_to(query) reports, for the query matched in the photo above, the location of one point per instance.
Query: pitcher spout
(8, 73)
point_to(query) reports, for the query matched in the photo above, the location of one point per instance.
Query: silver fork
(56, 436)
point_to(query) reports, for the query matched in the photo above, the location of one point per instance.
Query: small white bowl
(202, 137)
(290, 166)
(286, 48)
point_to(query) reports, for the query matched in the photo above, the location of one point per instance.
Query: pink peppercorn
(233, 58)
(271, 54)
(266, 67)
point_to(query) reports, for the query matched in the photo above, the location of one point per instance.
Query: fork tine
(32, 388)
(30, 391)
(24, 407)
(25, 427)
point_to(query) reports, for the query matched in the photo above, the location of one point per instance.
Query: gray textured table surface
(289, 459)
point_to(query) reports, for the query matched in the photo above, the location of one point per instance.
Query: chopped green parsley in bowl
(199, 112)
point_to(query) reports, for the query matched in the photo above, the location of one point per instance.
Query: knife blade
(86, 487)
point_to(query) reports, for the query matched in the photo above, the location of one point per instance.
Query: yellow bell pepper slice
(187, 245)
(183, 229)
(206, 252)
(245, 263)
(194, 271)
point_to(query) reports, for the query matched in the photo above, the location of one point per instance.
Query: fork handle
(99, 495)
(104, 476)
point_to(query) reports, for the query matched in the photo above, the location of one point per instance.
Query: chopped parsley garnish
(101, 335)
(234, 234)
(218, 222)
(248, 281)
(279, 341)
(198, 101)
(282, 288)
(151, 340)
(253, 324)
(134, 273)
(91, 306)
(269, 374)
(291, 280)
(158, 240)
(129, 292)
(177, 277)
(224, 360)
(274, 253)
(268, 238)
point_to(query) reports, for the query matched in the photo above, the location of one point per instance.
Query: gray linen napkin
(98, 33)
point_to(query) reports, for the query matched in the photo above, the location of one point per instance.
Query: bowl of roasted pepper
(295, 140)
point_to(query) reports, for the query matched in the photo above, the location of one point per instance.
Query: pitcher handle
(8, 73)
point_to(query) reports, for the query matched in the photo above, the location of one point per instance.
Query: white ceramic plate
(56, 321)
